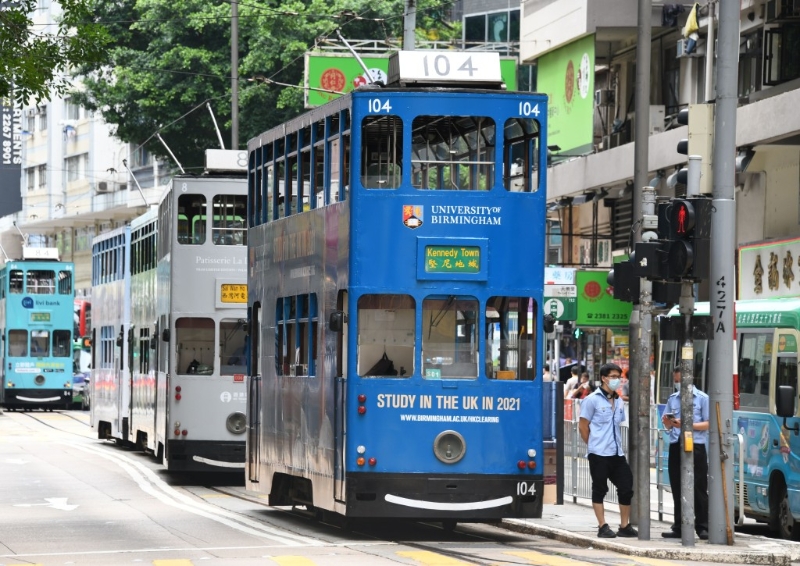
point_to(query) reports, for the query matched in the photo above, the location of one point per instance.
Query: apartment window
(141, 157)
(75, 167)
(71, 110)
(494, 27)
(781, 63)
(30, 123)
(30, 175)
(43, 118)
(42, 176)
(750, 51)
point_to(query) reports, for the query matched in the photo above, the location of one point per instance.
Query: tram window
(453, 153)
(195, 343)
(107, 345)
(280, 173)
(510, 337)
(317, 186)
(295, 335)
(191, 219)
(144, 351)
(450, 347)
(520, 155)
(41, 282)
(386, 335)
(40, 343)
(233, 347)
(62, 344)
(381, 152)
(64, 282)
(228, 226)
(18, 343)
(16, 281)
(755, 361)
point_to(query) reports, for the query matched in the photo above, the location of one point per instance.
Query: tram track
(32, 416)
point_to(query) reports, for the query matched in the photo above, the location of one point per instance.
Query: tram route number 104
(377, 105)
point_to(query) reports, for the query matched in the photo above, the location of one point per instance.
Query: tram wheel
(449, 525)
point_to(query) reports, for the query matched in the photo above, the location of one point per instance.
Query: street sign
(566, 291)
(563, 308)
(559, 276)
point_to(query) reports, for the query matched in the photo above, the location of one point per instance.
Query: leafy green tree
(35, 59)
(169, 57)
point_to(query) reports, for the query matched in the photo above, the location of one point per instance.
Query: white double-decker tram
(187, 337)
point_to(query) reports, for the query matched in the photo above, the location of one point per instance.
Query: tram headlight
(449, 447)
(361, 449)
(531, 453)
(39, 379)
(10, 384)
(236, 423)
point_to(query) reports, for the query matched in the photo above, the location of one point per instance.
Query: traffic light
(700, 120)
(688, 249)
(625, 282)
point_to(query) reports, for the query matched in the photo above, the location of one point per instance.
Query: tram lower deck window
(386, 335)
(510, 337)
(450, 347)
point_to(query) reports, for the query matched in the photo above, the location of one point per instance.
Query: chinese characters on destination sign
(452, 259)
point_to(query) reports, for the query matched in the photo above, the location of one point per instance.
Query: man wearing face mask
(601, 414)
(672, 422)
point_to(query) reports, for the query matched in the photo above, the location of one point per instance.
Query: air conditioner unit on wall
(102, 187)
(604, 97)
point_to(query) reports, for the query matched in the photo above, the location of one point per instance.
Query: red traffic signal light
(681, 219)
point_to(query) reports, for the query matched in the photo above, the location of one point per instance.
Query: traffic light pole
(722, 287)
(686, 307)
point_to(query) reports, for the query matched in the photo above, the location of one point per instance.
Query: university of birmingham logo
(413, 215)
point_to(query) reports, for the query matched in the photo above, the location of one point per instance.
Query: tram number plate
(233, 293)
(525, 488)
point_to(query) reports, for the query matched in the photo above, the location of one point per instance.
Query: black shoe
(702, 534)
(606, 532)
(628, 531)
(671, 534)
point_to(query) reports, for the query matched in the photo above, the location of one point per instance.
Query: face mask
(613, 384)
(678, 387)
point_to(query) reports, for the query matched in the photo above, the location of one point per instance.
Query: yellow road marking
(179, 562)
(292, 560)
(432, 558)
(543, 559)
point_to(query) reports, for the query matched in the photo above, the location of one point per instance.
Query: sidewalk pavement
(576, 524)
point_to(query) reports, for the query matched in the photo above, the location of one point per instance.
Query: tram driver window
(195, 342)
(233, 346)
(386, 335)
(510, 336)
(40, 343)
(453, 153)
(228, 225)
(381, 152)
(520, 155)
(18, 343)
(450, 347)
(191, 219)
(62, 345)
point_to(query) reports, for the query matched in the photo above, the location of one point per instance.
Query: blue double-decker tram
(36, 320)
(395, 282)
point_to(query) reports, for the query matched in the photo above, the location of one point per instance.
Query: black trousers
(700, 485)
(614, 468)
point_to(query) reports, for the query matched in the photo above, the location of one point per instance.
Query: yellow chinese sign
(233, 293)
(452, 259)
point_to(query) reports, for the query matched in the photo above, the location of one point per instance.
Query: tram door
(254, 395)
(340, 389)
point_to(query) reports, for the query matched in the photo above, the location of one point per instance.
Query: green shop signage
(566, 75)
(596, 303)
(342, 73)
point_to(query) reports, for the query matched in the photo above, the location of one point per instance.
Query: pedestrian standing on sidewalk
(672, 422)
(601, 414)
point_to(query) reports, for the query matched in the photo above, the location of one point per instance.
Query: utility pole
(640, 327)
(722, 287)
(410, 25)
(234, 74)
(686, 307)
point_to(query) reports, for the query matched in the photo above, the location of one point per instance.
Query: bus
(392, 304)
(109, 388)
(182, 340)
(82, 318)
(767, 335)
(36, 302)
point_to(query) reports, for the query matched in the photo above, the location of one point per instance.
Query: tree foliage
(169, 57)
(35, 59)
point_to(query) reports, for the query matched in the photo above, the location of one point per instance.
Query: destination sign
(40, 317)
(233, 293)
(452, 259)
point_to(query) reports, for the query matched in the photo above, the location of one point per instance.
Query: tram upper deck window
(228, 225)
(41, 282)
(381, 152)
(16, 281)
(510, 338)
(520, 155)
(64, 282)
(195, 342)
(191, 219)
(453, 153)
(18, 343)
(386, 335)
(450, 344)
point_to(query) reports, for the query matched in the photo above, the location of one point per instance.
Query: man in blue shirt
(601, 414)
(672, 422)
